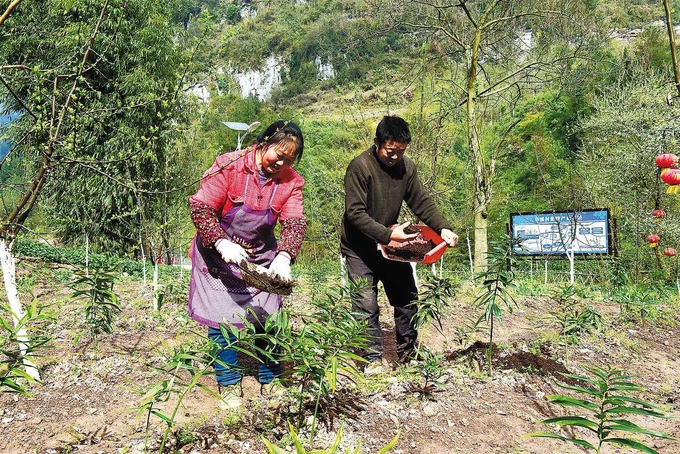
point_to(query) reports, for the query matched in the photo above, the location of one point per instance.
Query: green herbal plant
(333, 449)
(573, 317)
(13, 377)
(635, 301)
(320, 349)
(496, 282)
(429, 370)
(433, 302)
(463, 334)
(606, 398)
(101, 302)
(179, 375)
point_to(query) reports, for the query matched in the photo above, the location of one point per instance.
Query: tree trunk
(671, 38)
(481, 188)
(481, 244)
(9, 275)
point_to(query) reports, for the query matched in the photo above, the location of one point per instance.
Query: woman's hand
(399, 235)
(449, 237)
(280, 266)
(230, 251)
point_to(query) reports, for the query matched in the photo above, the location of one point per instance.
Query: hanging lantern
(666, 160)
(659, 214)
(672, 178)
(653, 240)
(670, 252)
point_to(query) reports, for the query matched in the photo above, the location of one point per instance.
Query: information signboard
(584, 232)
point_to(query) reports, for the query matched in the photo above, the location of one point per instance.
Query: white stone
(260, 83)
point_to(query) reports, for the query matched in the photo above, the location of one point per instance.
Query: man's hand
(280, 266)
(449, 237)
(230, 251)
(398, 234)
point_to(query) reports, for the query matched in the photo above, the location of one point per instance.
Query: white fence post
(9, 275)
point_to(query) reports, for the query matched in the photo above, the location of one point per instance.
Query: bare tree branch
(19, 100)
(8, 11)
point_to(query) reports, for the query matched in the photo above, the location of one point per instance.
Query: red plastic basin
(430, 235)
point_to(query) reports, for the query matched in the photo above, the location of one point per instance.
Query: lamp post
(236, 126)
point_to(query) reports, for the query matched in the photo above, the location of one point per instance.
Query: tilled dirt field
(86, 402)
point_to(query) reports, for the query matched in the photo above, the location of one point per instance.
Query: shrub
(28, 247)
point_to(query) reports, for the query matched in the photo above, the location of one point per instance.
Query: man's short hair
(392, 128)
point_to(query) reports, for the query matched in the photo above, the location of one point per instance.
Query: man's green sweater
(373, 198)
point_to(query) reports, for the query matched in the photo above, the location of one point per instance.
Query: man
(376, 183)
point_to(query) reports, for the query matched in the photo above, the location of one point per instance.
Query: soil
(264, 281)
(90, 388)
(413, 250)
(410, 229)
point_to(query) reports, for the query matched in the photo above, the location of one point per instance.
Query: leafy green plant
(433, 302)
(606, 397)
(463, 334)
(318, 277)
(101, 303)
(429, 370)
(320, 350)
(333, 449)
(573, 317)
(530, 287)
(635, 301)
(13, 377)
(496, 282)
(166, 293)
(577, 319)
(28, 247)
(179, 375)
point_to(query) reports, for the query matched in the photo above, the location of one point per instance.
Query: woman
(240, 199)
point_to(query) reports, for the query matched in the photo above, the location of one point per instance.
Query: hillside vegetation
(514, 106)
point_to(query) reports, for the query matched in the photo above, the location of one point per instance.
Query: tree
(494, 53)
(105, 108)
(671, 39)
(630, 126)
(96, 87)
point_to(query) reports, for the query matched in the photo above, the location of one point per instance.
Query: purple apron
(217, 293)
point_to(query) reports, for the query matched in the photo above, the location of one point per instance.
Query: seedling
(333, 449)
(496, 282)
(606, 398)
(13, 377)
(573, 317)
(101, 302)
(433, 302)
(429, 370)
(634, 301)
(182, 373)
(321, 351)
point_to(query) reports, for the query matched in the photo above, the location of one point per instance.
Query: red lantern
(659, 214)
(669, 251)
(653, 240)
(672, 178)
(666, 160)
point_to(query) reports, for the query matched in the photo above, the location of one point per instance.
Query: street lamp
(236, 126)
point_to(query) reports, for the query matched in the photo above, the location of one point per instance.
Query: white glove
(230, 251)
(280, 266)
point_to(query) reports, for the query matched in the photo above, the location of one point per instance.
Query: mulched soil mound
(523, 362)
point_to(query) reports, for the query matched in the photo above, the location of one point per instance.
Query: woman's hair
(283, 131)
(392, 128)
